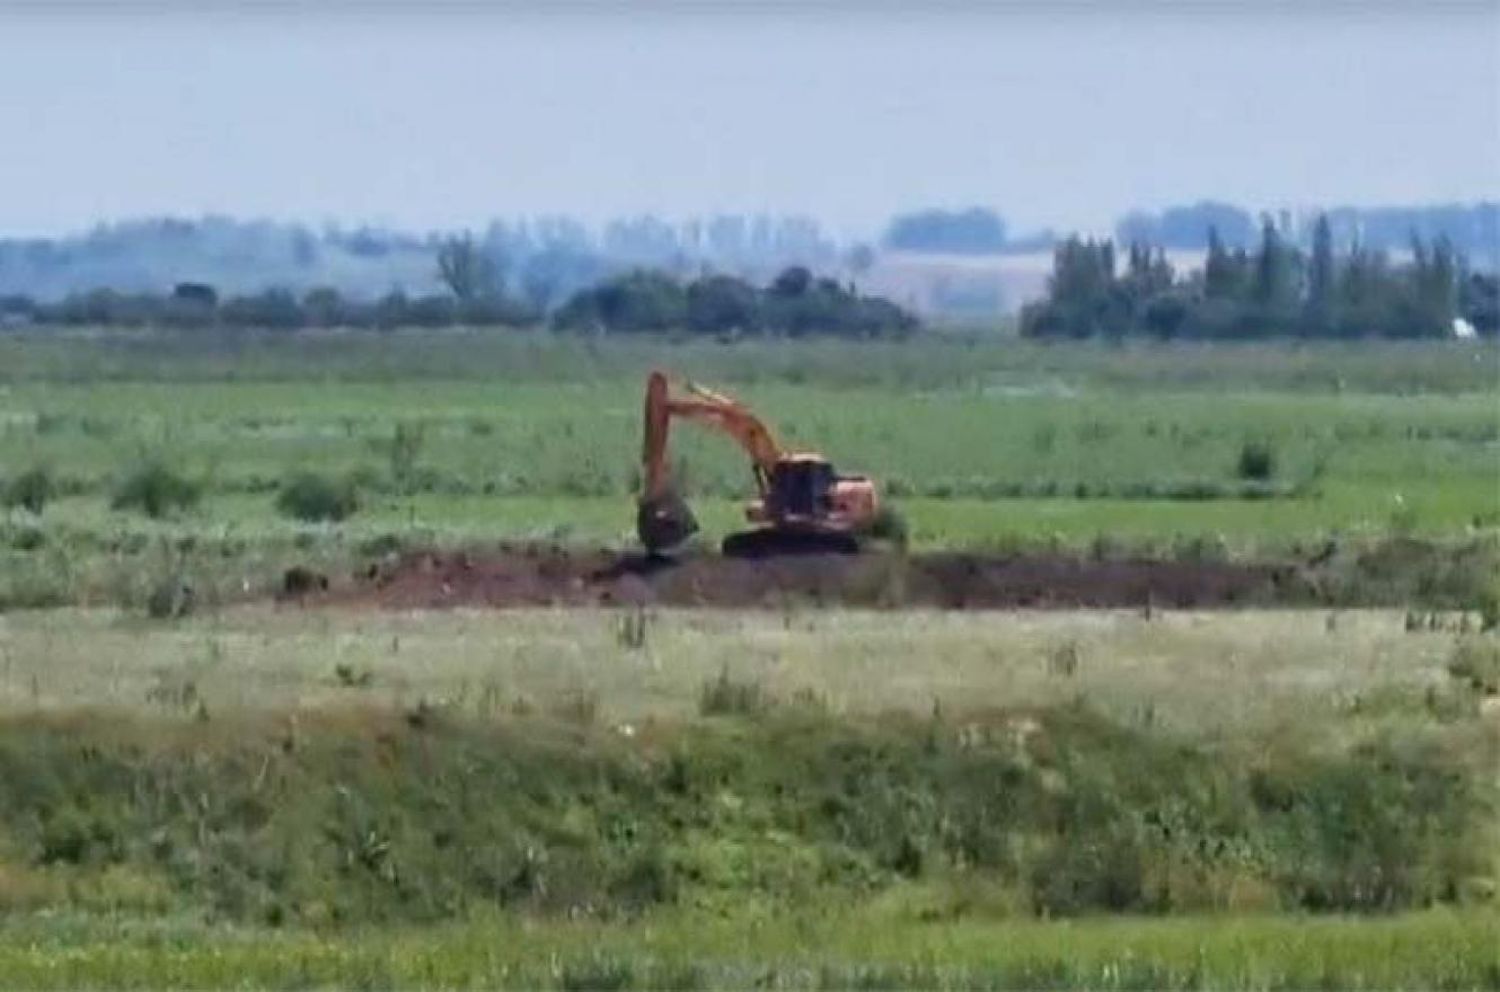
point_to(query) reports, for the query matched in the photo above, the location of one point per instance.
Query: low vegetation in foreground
(619, 856)
(512, 799)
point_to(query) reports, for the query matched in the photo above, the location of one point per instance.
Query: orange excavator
(802, 506)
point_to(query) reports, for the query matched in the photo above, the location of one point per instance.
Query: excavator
(802, 504)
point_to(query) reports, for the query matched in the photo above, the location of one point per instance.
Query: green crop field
(219, 790)
(979, 444)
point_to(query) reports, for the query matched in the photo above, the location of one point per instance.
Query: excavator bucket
(664, 521)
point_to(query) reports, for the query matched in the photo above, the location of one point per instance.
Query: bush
(312, 497)
(1257, 462)
(170, 599)
(31, 490)
(1477, 663)
(156, 490)
(890, 525)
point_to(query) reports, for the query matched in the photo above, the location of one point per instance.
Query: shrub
(170, 599)
(1257, 461)
(890, 525)
(1488, 604)
(312, 497)
(156, 490)
(1477, 663)
(31, 490)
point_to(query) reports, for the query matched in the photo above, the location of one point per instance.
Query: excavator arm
(711, 410)
(663, 518)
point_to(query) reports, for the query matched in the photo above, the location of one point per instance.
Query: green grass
(277, 797)
(847, 948)
(931, 362)
(1195, 674)
(361, 814)
(991, 445)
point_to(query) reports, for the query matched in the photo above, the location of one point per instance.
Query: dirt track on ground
(542, 576)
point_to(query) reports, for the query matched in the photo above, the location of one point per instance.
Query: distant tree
(975, 231)
(1275, 282)
(391, 311)
(1223, 272)
(795, 304)
(1321, 272)
(1084, 297)
(1188, 227)
(1479, 302)
(861, 259)
(274, 309)
(432, 311)
(196, 293)
(465, 269)
(721, 304)
(1434, 288)
(324, 307)
(192, 304)
(792, 281)
(539, 286)
(637, 301)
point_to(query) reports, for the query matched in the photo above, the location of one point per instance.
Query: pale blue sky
(427, 118)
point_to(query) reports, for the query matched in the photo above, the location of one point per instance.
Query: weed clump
(632, 629)
(727, 696)
(31, 490)
(170, 599)
(1257, 461)
(1476, 663)
(157, 490)
(315, 498)
(890, 525)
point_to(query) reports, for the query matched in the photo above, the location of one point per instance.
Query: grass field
(822, 798)
(850, 949)
(1193, 673)
(283, 796)
(989, 445)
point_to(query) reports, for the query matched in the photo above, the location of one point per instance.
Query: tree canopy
(1276, 289)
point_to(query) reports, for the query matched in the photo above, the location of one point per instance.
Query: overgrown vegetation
(312, 497)
(156, 489)
(364, 816)
(29, 490)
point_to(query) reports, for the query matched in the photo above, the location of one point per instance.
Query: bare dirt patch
(512, 576)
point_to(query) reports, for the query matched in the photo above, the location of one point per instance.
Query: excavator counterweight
(803, 505)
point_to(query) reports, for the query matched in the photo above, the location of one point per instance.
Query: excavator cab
(800, 488)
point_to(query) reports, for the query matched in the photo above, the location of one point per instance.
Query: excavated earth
(511, 576)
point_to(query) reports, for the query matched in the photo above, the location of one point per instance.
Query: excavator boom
(712, 410)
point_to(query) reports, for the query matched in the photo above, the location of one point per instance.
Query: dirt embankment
(544, 575)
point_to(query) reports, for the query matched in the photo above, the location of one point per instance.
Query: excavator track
(770, 543)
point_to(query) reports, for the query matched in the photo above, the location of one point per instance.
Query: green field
(980, 444)
(259, 795)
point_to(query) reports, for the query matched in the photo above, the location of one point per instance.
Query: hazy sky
(436, 117)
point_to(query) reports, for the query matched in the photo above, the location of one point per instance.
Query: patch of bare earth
(541, 575)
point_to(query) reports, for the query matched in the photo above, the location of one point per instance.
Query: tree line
(795, 303)
(1276, 289)
(541, 259)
